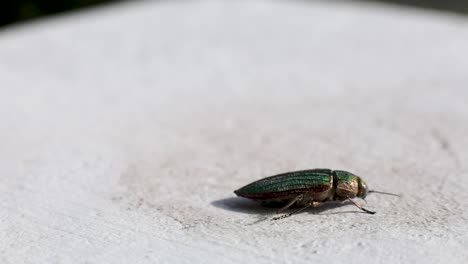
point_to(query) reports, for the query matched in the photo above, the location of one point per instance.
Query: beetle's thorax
(345, 185)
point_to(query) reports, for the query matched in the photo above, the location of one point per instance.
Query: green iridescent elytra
(307, 188)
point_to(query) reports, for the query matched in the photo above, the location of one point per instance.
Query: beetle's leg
(360, 207)
(293, 212)
(313, 204)
(316, 204)
(297, 198)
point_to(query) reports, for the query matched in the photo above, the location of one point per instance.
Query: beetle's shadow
(241, 205)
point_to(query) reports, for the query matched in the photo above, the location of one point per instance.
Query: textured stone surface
(125, 129)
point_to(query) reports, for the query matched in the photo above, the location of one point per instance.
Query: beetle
(306, 188)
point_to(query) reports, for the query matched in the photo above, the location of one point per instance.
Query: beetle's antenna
(387, 193)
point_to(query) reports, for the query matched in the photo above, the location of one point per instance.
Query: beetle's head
(362, 188)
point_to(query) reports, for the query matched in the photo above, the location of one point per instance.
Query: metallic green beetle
(307, 188)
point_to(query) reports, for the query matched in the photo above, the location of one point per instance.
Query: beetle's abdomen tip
(239, 193)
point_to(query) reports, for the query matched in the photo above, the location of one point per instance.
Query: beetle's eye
(362, 189)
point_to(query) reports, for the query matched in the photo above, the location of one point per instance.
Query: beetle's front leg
(360, 207)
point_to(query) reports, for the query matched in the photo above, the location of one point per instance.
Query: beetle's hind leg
(290, 203)
(314, 204)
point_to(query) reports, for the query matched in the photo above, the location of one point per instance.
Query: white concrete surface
(125, 129)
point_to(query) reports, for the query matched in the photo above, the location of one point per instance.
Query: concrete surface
(125, 129)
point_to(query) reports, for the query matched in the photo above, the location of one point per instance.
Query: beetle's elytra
(307, 188)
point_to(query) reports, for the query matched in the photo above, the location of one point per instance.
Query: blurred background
(126, 125)
(15, 11)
